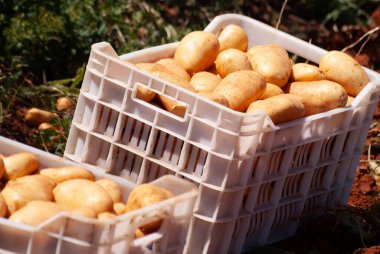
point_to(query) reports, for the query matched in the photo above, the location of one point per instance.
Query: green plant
(351, 11)
(338, 12)
(12, 80)
(54, 139)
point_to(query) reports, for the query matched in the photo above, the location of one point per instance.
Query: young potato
(281, 108)
(78, 193)
(197, 51)
(231, 60)
(63, 103)
(139, 233)
(163, 73)
(156, 68)
(3, 206)
(112, 188)
(84, 212)
(233, 36)
(270, 91)
(349, 100)
(211, 69)
(20, 164)
(172, 65)
(272, 62)
(142, 92)
(145, 195)
(319, 96)
(36, 212)
(35, 116)
(119, 208)
(20, 191)
(106, 216)
(170, 105)
(241, 88)
(216, 97)
(45, 126)
(2, 166)
(204, 81)
(306, 72)
(345, 70)
(62, 174)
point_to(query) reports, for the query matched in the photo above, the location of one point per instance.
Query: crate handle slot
(164, 103)
(147, 240)
(161, 222)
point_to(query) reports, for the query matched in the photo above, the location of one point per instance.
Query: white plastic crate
(247, 169)
(67, 233)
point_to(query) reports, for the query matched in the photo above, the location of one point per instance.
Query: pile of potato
(262, 78)
(41, 118)
(31, 196)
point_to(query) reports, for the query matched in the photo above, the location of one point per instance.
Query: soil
(14, 127)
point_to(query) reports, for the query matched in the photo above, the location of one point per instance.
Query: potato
(145, 195)
(319, 96)
(231, 60)
(62, 174)
(270, 91)
(172, 65)
(233, 36)
(211, 69)
(204, 81)
(79, 193)
(349, 100)
(84, 212)
(20, 164)
(119, 208)
(3, 206)
(112, 188)
(216, 97)
(172, 106)
(157, 69)
(106, 216)
(345, 70)
(163, 73)
(35, 116)
(142, 92)
(281, 108)
(45, 126)
(20, 191)
(241, 88)
(306, 72)
(2, 166)
(272, 62)
(63, 103)
(36, 212)
(139, 233)
(197, 51)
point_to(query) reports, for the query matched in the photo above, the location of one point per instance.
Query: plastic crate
(247, 168)
(67, 233)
